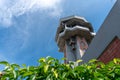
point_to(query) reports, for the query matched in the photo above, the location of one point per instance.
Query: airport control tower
(73, 37)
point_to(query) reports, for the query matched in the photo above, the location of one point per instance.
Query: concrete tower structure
(73, 36)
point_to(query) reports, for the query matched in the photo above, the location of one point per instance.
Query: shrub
(52, 69)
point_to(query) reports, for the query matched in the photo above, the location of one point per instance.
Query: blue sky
(28, 27)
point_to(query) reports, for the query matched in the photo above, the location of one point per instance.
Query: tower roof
(73, 20)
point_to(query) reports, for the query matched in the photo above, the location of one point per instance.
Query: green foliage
(52, 69)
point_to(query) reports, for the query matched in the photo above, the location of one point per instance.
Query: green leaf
(49, 77)
(102, 65)
(14, 73)
(33, 78)
(15, 66)
(92, 61)
(89, 67)
(4, 63)
(7, 67)
(55, 73)
(78, 61)
(46, 68)
(98, 74)
(63, 75)
(41, 60)
(117, 71)
(112, 75)
(27, 74)
(31, 68)
(115, 60)
(28, 68)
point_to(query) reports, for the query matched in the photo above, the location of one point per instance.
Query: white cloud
(9, 8)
